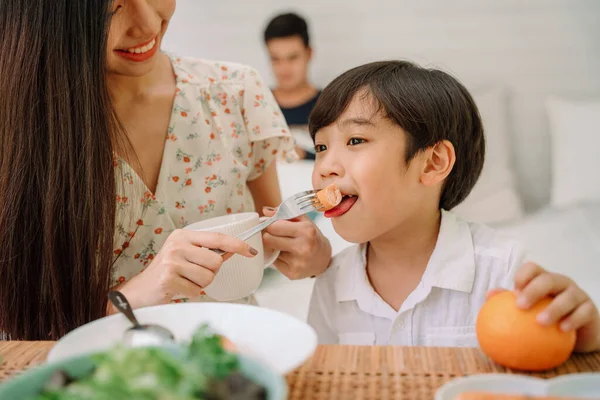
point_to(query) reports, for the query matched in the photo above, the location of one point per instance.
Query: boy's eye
(320, 147)
(355, 141)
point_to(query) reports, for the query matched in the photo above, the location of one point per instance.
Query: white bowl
(280, 341)
(582, 385)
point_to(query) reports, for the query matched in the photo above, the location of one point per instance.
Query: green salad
(203, 370)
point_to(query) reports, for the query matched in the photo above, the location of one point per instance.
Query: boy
(404, 145)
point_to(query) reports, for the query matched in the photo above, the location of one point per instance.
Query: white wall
(531, 47)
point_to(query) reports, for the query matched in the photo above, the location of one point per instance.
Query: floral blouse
(225, 129)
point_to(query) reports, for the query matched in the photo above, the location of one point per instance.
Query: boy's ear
(438, 163)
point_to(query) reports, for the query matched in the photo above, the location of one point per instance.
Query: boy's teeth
(143, 49)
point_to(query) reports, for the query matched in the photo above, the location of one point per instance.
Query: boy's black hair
(287, 25)
(428, 104)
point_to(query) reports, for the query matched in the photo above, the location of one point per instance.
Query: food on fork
(328, 198)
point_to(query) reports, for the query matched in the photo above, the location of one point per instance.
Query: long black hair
(58, 131)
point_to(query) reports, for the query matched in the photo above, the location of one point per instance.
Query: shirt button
(398, 325)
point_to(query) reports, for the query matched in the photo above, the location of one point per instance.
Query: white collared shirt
(467, 261)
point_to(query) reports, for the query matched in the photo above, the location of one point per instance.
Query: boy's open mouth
(342, 208)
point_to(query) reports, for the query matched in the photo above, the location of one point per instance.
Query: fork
(293, 207)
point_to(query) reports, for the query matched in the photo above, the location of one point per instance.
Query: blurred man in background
(287, 40)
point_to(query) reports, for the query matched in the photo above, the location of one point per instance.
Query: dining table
(351, 372)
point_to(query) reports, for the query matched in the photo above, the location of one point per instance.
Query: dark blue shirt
(299, 116)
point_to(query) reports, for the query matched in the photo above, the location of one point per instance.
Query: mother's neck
(125, 89)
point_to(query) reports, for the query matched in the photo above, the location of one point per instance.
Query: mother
(92, 112)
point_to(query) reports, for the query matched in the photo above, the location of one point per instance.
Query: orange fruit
(513, 338)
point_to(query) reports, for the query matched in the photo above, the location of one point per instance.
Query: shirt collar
(451, 265)
(352, 283)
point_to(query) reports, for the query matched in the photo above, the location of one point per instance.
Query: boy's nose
(330, 166)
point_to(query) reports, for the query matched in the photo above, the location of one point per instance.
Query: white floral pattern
(225, 129)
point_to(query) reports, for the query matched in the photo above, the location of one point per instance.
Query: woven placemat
(373, 373)
(19, 356)
(352, 372)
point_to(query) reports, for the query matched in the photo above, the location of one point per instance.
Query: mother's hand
(183, 266)
(305, 252)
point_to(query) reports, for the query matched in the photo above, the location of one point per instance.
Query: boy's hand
(571, 305)
(305, 251)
